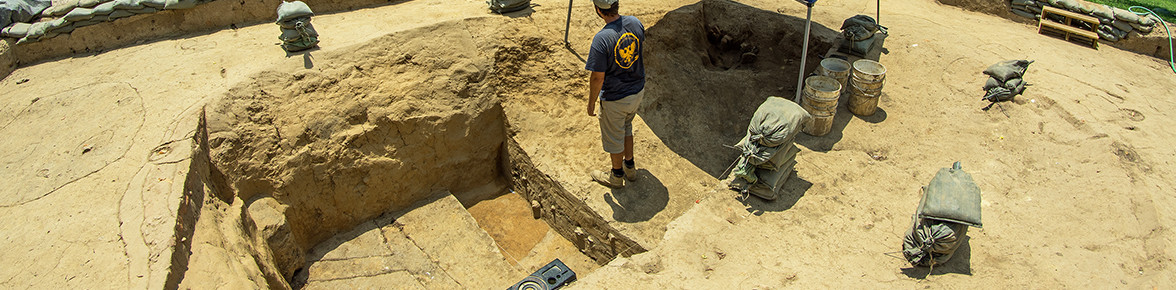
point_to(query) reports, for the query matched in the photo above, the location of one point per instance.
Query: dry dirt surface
(1076, 174)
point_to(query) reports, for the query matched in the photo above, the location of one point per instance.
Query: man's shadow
(640, 200)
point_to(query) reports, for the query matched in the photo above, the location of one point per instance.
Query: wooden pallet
(1066, 29)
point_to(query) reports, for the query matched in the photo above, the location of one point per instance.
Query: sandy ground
(1075, 173)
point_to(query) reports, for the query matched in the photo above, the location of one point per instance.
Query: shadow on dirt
(794, 189)
(640, 200)
(710, 65)
(960, 263)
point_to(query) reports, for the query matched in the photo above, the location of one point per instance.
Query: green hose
(1171, 61)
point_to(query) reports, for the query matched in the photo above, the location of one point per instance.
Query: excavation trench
(394, 162)
(312, 187)
(366, 170)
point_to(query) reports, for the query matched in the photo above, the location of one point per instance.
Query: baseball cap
(604, 4)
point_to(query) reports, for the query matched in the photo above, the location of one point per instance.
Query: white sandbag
(89, 3)
(79, 14)
(37, 30)
(16, 30)
(1072, 5)
(291, 10)
(1102, 12)
(60, 7)
(1124, 15)
(128, 5)
(104, 8)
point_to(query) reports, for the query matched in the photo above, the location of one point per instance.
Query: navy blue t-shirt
(616, 51)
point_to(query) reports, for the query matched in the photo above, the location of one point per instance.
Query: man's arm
(595, 81)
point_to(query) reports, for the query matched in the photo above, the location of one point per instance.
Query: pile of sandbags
(66, 15)
(294, 21)
(1114, 23)
(950, 203)
(1005, 80)
(12, 11)
(768, 153)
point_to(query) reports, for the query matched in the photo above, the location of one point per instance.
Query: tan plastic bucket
(820, 100)
(835, 68)
(866, 86)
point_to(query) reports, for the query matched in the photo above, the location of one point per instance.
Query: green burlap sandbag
(506, 6)
(931, 242)
(951, 196)
(1009, 69)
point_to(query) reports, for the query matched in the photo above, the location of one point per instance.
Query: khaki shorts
(616, 121)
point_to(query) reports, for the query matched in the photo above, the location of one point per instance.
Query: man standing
(618, 80)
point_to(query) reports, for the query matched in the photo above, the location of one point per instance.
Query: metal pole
(804, 52)
(568, 25)
(878, 14)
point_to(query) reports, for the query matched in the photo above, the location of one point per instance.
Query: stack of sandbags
(768, 152)
(1005, 80)
(294, 21)
(12, 11)
(1114, 23)
(950, 203)
(66, 15)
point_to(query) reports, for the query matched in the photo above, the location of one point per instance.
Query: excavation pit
(396, 161)
(396, 165)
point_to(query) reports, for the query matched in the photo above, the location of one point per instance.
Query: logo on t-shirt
(626, 50)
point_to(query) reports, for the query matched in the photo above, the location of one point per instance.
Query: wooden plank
(1070, 29)
(1066, 13)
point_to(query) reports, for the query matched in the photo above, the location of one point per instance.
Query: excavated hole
(711, 64)
(399, 164)
(343, 179)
